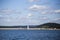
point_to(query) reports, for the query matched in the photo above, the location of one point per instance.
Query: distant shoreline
(29, 29)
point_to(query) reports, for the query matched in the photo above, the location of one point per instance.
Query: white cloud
(56, 19)
(57, 11)
(38, 7)
(6, 11)
(34, 22)
(1, 16)
(43, 9)
(44, 18)
(29, 14)
(50, 12)
(33, 0)
(9, 11)
(9, 20)
(44, 12)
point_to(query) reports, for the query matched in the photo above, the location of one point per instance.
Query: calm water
(29, 35)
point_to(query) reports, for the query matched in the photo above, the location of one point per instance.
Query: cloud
(50, 11)
(9, 20)
(9, 11)
(44, 12)
(29, 15)
(57, 11)
(43, 9)
(56, 19)
(33, 0)
(5, 11)
(19, 21)
(34, 22)
(44, 18)
(38, 7)
(0, 15)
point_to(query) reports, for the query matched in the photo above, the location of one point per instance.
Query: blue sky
(29, 12)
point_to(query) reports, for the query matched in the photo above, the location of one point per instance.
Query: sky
(29, 12)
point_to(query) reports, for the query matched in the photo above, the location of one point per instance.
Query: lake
(29, 34)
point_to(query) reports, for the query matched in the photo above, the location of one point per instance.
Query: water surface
(29, 34)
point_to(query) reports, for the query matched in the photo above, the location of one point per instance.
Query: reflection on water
(29, 34)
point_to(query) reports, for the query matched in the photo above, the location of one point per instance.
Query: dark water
(29, 34)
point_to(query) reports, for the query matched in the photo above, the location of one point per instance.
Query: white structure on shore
(27, 26)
